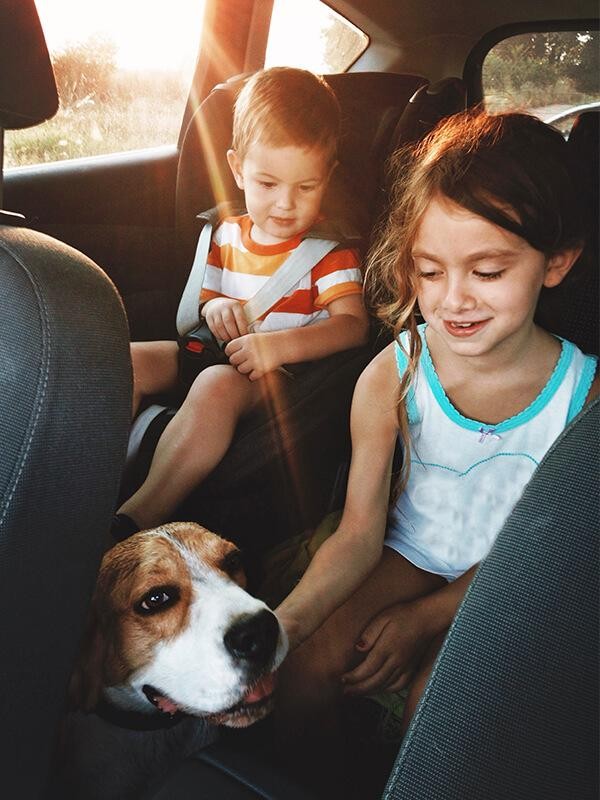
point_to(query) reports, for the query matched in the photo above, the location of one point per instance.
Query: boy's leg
(195, 441)
(154, 369)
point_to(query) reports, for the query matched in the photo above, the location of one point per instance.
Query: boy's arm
(344, 561)
(348, 326)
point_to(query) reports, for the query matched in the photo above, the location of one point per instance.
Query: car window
(123, 72)
(553, 75)
(310, 35)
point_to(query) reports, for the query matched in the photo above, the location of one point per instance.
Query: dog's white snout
(253, 638)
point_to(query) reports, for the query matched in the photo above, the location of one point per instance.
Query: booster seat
(275, 480)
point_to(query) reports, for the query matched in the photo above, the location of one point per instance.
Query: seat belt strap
(188, 313)
(298, 264)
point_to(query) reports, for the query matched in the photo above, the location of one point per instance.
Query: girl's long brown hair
(511, 169)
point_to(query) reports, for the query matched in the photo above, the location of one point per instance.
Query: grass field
(118, 122)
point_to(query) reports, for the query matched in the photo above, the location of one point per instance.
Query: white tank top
(465, 477)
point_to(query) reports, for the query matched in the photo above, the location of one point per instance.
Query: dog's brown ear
(86, 680)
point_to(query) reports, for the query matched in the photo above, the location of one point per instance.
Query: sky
(148, 34)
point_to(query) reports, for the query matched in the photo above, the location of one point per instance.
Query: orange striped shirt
(238, 267)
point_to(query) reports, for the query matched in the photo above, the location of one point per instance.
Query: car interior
(95, 252)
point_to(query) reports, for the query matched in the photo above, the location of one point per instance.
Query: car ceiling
(434, 37)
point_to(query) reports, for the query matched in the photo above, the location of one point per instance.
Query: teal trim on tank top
(534, 408)
(583, 387)
(411, 403)
(463, 473)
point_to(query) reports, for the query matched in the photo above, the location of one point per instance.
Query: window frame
(473, 70)
(337, 13)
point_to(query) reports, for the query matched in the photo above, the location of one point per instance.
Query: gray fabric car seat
(65, 399)
(511, 709)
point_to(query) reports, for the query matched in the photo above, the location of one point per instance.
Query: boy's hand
(393, 643)
(253, 355)
(225, 318)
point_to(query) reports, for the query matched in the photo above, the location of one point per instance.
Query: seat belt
(298, 264)
(188, 312)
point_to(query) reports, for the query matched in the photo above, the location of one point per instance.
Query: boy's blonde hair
(284, 106)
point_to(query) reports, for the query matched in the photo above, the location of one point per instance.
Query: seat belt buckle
(198, 350)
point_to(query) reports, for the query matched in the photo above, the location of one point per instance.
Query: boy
(285, 130)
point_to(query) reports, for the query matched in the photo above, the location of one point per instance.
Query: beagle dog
(174, 646)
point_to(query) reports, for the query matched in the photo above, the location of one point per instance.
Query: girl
(483, 216)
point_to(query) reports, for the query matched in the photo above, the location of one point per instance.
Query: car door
(101, 175)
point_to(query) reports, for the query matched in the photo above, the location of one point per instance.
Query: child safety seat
(198, 348)
(275, 480)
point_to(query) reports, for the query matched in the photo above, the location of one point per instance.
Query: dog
(175, 647)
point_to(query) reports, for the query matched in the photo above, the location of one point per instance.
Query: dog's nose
(254, 638)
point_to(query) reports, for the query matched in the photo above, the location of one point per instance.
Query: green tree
(585, 69)
(543, 68)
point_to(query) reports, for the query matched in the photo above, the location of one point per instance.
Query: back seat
(239, 763)
(276, 479)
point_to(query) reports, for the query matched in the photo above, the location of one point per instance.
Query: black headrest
(371, 104)
(585, 133)
(584, 148)
(571, 309)
(27, 87)
(429, 105)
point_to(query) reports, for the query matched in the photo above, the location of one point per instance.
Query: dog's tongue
(262, 689)
(166, 705)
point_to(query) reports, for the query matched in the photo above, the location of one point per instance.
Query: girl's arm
(258, 353)
(344, 561)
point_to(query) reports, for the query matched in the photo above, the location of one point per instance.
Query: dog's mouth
(161, 701)
(255, 704)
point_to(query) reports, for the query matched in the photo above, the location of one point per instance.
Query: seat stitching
(42, 389)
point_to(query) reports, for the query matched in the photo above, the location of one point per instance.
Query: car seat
(65, 394)
(276, 479)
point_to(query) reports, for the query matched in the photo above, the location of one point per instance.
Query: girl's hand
(225, 318)
(253, 355)
(394, 643)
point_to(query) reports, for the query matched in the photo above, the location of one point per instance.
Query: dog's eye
(157, 599)
(232, 563)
